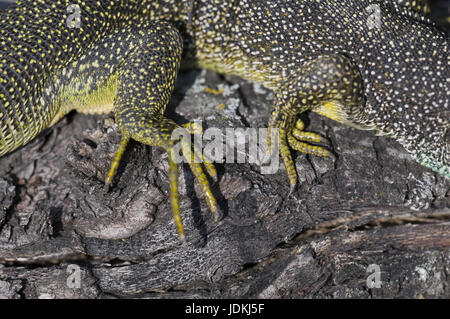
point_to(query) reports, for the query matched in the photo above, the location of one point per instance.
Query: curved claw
(116, 160)
(289, 165)
(285, 153)
(106, 187)
(286, 199)
(174, 197)
(194, 162)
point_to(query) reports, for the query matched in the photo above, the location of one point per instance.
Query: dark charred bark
(351, 210)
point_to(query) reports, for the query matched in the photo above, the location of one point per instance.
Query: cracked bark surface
(350, 210)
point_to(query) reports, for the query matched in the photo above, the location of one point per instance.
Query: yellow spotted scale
(371, 64)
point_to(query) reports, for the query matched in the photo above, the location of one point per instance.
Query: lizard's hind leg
(330, 85)
(146, 80)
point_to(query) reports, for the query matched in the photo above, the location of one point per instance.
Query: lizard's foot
(323, 85)
(193, 156)
(195, 160)
(299, 140)
(191, 127)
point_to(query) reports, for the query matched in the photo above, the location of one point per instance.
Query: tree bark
(351, 210)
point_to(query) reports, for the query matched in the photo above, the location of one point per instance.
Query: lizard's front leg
(145, 83)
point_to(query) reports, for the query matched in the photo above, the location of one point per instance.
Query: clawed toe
(299, 140)
(197, 162)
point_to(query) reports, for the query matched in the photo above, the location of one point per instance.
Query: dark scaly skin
(322, 55)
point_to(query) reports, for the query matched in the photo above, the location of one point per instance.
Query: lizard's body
(384, 68)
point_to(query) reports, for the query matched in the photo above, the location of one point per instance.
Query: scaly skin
(383, 68)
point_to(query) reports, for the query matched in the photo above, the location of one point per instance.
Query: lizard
(371, 64)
